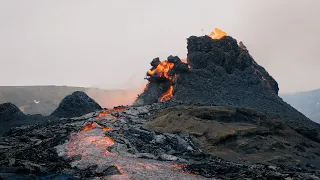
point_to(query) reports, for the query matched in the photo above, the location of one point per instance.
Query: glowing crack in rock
(108, 112)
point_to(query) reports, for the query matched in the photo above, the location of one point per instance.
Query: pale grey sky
(109, 43)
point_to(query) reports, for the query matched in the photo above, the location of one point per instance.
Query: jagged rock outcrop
(224, 73)
(75, 105)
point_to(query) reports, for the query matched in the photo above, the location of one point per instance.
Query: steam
(120, 38)
(283, 37)
(112, 98)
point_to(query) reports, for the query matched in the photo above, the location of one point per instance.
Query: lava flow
(95, 138)
(162, 70)
(166, 70)
(89, 127)
(91, 146)
(168, 95)
(108, 112)
(217, 33)
(91, 136)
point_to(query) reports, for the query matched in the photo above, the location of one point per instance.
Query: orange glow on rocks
(217, 33)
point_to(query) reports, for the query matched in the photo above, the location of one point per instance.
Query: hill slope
(222, 72)
(306, 102)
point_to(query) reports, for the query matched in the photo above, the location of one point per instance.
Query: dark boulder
(75, 105)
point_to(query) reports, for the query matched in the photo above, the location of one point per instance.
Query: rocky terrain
(221, 72)
(239, 134)
(11, 116)
(216, 116)
(121, 144)
(74, 105)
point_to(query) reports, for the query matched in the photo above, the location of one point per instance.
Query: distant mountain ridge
(45, 99)
(307, 102)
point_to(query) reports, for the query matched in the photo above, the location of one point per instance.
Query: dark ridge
(11, 116)
(9, 111)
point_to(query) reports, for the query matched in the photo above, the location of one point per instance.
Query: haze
(110, 43)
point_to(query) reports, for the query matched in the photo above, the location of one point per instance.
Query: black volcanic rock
(224, 73)
(11, 116)
(60, 150)
(75, 105)
(9, 111)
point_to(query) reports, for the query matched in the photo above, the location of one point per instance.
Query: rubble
(122, 147)
(216, 116)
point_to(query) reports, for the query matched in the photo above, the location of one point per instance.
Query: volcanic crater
(221, 72)
(214, 115)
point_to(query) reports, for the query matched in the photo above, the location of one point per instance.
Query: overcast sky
(109, 43)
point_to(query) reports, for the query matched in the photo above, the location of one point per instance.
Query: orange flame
(217, 33)
(168, 95)
(162, 70)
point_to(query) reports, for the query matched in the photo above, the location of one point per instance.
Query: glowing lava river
(91, 147)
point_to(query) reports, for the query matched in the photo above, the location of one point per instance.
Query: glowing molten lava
(168, 95)
(162, 70)
(108, 112)
(106, 129)
(108, 141)
(217, 34)
(83, 143)
(89, 127)
(94, 125)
